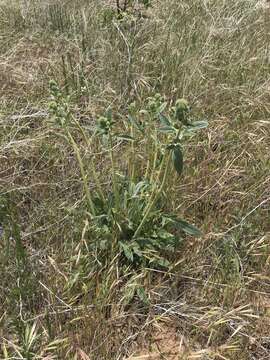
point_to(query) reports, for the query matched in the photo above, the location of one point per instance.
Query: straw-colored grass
(213, 303)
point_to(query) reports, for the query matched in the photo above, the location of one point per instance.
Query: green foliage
(131, 218)
(125, 5)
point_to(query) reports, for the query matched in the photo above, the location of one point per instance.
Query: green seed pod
(181, 109)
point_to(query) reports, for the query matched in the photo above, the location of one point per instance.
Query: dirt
(166, 344)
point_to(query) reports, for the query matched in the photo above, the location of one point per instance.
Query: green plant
(131, 218)
(126, 4)
(28, 341)
(59, 106)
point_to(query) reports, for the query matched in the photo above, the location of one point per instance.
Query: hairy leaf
(177, 157)
(187, 227)
(127, 251)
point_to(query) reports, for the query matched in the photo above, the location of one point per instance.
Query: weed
(132, 222)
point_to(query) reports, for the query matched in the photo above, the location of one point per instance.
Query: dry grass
(214, 302)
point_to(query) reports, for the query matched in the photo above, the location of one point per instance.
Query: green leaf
(127, 251)
(140, 186)
(162, 107)
(142, 295)
(124, 137)
(167, 129)
(137, 251)
(177, 157)
(198, 125)
(160, 262)
(164, 120)
(98, 203)
(135, 123)
(187, 227)
(164, 234)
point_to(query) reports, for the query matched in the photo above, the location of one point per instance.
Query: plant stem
(92, 165)
(147, 169)
(154, 198)
(83, 173)
(155, 158)
(114, 180)
(132, 165)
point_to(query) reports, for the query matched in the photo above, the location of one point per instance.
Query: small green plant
(28, 338)
(129, 4)
(130, 218)
(124, 11)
